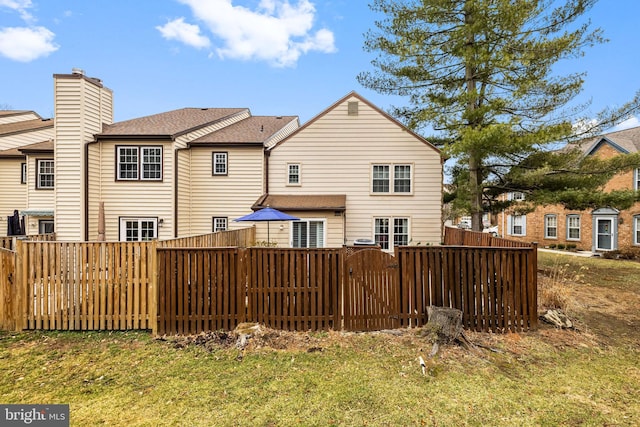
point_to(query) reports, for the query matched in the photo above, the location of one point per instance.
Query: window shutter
(509, 224)
(524, 225)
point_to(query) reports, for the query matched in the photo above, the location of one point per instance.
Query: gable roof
(170, 124)
(252, 130)
(354, 94)
(25, 126)
(625, 141)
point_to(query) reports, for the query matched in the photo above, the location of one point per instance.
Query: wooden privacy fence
(106, 286)
(241, 238)
(461, 237)
(7, 287)
(84, 286)
(219, 288)
(495, 287)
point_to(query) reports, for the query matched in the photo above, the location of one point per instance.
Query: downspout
(86, 192)
(267, 155)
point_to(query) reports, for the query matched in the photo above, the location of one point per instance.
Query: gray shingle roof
(172, 123)
(255, 129)
(627, 140)
(24, 126)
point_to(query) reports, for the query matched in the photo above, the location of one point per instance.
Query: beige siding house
(355, 173)
(351, 173)
(180, 173)
(22, 130)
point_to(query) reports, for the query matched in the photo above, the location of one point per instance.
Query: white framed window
(636, 179)
(151, 163)
(308, 233)
(293, 174)
(23, 173)
(220, 223)
(391, 178)
(573, 227)
(636, 230)
(220, 163)
(138, 229)
(402, 179)
(45, 226)
(387, 230)
(516, 196)
(380, 178)
(517, 225)
(139, 163)
(551, 226)
(45, 178)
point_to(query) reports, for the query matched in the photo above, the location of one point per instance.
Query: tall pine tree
(480, 73)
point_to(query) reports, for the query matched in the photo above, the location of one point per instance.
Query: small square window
(220, 224)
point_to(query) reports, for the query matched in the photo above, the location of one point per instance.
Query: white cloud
(277, 31)
(26, 44)
(186, 33)
(19, 6)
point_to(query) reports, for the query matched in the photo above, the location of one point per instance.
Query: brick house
(555, 225)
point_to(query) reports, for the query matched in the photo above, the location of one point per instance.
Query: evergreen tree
(480, 73)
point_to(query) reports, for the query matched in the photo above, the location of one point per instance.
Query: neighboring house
(354, 172)
(602, 229)
(22, 133)
(183, 172)
(180, 173)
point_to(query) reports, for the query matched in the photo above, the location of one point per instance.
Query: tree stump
(444, 326)
(445, 322)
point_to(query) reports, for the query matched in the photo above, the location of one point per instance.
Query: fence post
(20, 300)
(153, 299)
(533, 279)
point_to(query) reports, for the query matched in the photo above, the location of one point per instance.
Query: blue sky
(275, 57)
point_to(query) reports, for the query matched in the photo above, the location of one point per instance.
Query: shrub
(561, 246)
(552, 246)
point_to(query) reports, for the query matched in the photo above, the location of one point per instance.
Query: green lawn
(548, 377)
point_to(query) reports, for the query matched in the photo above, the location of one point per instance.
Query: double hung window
(551, 226)
(220, 165)
(388, 178)
(139, 163)
(46, 174)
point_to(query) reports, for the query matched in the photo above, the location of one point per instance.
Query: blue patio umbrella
(267, 214)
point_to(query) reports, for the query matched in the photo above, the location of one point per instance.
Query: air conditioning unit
(364, 242)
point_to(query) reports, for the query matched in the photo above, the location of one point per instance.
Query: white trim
(569, 217)
(391, 179)
(323, 221)
(288, 171)
(547, 227)
(510, 225)
(122, 222)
